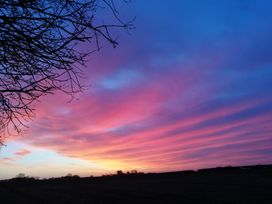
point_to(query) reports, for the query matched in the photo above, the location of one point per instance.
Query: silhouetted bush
(119, 172)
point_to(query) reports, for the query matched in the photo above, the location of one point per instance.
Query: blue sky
(189, 88)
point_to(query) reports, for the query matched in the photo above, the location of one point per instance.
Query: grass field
(220, 185)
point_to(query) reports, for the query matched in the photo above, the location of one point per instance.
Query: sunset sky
(189, 88)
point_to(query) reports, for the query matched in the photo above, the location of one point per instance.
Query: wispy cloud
(190, 89)
(22, 152)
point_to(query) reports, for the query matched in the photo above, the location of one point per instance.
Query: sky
(189, 88)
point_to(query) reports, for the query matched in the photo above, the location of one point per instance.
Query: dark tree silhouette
(119, 172)
(39, 52)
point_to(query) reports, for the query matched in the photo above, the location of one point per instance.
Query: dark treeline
(229, 185)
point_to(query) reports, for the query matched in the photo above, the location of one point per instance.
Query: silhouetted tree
(69, 175)
(39, 51)
(134, 171)
(21, 175)
(119, 172)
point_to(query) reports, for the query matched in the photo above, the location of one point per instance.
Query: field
(229, 185)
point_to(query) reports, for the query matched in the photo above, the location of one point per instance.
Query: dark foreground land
(220, 185)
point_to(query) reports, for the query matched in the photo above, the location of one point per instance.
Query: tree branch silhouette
(38, 51)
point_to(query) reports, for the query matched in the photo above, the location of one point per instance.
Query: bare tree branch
(38, 51)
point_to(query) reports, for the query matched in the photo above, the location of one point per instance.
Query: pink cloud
(167, 121)
(8, 159)
(22, 152)
(126, 136)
